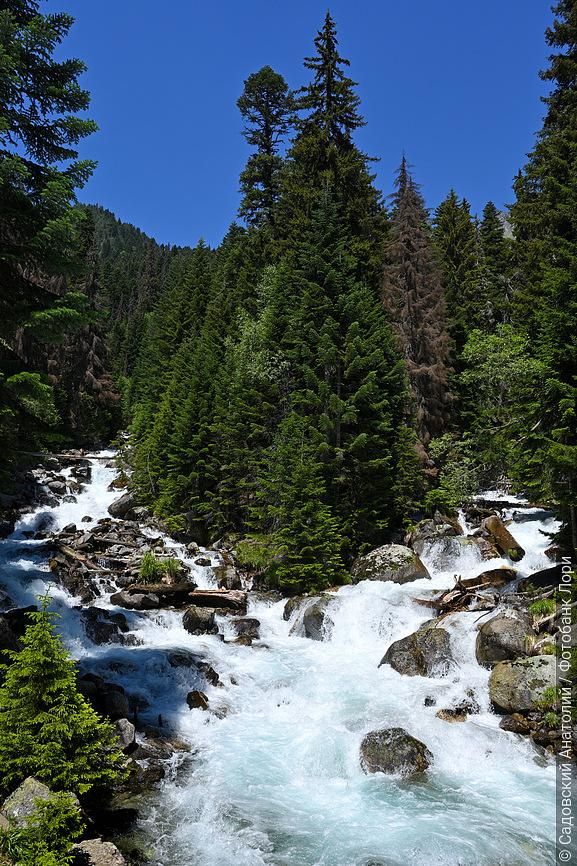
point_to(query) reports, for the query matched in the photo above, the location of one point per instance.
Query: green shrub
(551, 720)
(48, 836)
(550, 698)
(543, 607)
(153, 569)
(47, 728)
(150, 568)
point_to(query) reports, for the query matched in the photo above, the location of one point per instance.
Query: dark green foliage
(267, 109)
(47, 728)
(495, 270)
(297, 529)
(41, 235)
(48, 836)
(544, 217)
(456, 242)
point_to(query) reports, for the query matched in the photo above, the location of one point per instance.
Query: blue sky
(454, 84)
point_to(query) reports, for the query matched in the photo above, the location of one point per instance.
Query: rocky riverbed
(244, 715)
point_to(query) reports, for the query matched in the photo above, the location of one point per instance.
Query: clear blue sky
(453, 83)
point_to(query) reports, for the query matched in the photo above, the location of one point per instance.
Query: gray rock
(425, 653)
(247, 626)
(136, 600)
(57, 486)
(121, 506)
(393, 562)
(199, 620)
(506, 636)
(126, 734)
(99, 853)
(394, 751)
(428, 531)
(21, 804)
(518, 686)
(316, 622)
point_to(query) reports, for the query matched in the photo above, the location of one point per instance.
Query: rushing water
(274, 778)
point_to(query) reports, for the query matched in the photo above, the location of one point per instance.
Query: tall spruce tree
(323, 154)
(544, 217)
(455, 239)
(414, 300)
(266, 105)
(495, 270)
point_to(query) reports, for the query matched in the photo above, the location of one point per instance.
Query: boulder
(520, 685)
(227, 574)
(136, 600)
(102, 626)
(197, 700)
(391, 562)
(247, 627)
(99, 853)
(425, 653)
(199, 620)
(543, 579)
(394, 751)
(316, 622)
(126, 735)
(515, 723)
(498, 533)
(168, 594)
(109, 699)
(292, 605)
(57, 486)
(506, 636)
(21, 804)
(428, 531)
(121, 506)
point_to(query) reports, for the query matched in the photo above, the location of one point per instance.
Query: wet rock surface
(426, 653)
(394, 751)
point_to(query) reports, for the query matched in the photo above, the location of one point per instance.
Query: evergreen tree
(47, 728)
(414, 299)
(495, 270)
(323, 155)
(40, 233)
(301, 534)
(544, 217)
(266, 106)
(455, 239)
(346, 376)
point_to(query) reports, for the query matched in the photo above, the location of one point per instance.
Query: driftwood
(234, 599)
(76, 556)
(461, 597)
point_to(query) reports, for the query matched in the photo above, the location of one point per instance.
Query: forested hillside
(340, 365)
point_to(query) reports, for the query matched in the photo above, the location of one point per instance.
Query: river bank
(264, 722)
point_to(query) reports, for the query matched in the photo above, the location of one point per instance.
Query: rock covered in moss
(391, 562)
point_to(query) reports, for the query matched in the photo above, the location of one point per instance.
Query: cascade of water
(276, 780)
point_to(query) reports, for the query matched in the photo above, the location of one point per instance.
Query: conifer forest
(287, 524)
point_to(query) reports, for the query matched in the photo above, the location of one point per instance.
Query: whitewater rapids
(274, 777)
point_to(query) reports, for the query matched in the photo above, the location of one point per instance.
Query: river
(274, 778)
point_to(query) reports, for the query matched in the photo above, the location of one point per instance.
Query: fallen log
(234, 599)
(463, 596)
(177, 594)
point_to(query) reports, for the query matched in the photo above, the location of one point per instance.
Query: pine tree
(47, 728)
(414, 300)
(266, 106)
(455, 239)
(545, 227)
